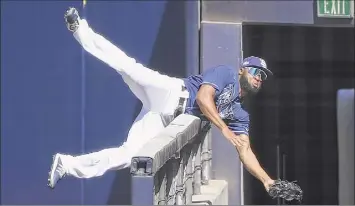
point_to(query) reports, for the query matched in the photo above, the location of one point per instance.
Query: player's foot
(72, 18)
(57, 171)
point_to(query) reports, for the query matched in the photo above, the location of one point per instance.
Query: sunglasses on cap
(257, 72)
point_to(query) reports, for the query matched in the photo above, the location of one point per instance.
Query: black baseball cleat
(72, 18)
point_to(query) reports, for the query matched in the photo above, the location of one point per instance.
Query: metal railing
(171, 168)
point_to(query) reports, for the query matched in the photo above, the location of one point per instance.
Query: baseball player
(216, 94)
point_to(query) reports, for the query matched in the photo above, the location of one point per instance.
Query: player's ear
(241, 71)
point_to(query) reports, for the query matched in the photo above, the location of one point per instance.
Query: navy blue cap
(258, 62)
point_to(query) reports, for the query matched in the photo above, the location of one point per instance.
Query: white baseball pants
(158, 93)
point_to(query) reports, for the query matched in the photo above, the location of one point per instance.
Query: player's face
(251, 79)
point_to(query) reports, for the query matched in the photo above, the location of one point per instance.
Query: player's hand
(267, 184)
(234, 139)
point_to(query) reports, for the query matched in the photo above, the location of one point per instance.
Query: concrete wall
(295, 12)
(55, 98)
(221, 44)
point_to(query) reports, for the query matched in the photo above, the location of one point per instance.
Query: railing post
(161, 177)
(209, 136)
(142, 182)
(172, 171)
(206, 158)
(188, 174)
(196, 184)
(180, 190)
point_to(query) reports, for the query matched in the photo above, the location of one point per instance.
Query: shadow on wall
(168, 57)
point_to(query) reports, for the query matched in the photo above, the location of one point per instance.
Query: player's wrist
(265, 179)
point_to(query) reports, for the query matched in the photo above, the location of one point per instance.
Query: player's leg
(160, 91)
(83, 35)
(157, 89)
(146, 126)
(97, 45)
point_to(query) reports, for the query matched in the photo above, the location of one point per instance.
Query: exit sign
(335, 8)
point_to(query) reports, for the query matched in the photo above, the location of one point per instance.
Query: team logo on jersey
(224, 102)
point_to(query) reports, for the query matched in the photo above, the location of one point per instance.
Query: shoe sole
(51, 172)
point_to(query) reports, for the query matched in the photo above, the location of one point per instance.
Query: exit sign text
(335, 8)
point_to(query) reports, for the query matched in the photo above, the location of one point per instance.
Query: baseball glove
(286, 190)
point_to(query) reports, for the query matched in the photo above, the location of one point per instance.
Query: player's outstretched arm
(205, 100)
(96, 44)
(250, 161)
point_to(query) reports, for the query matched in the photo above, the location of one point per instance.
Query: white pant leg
(159, 93)
(146, 126)
(84, 35)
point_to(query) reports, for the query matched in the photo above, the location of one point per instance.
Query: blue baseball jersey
(226, 83)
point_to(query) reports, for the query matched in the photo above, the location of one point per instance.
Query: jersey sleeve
(240, 126)
(218, 77)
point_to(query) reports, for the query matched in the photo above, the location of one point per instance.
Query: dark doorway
(298, 106)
